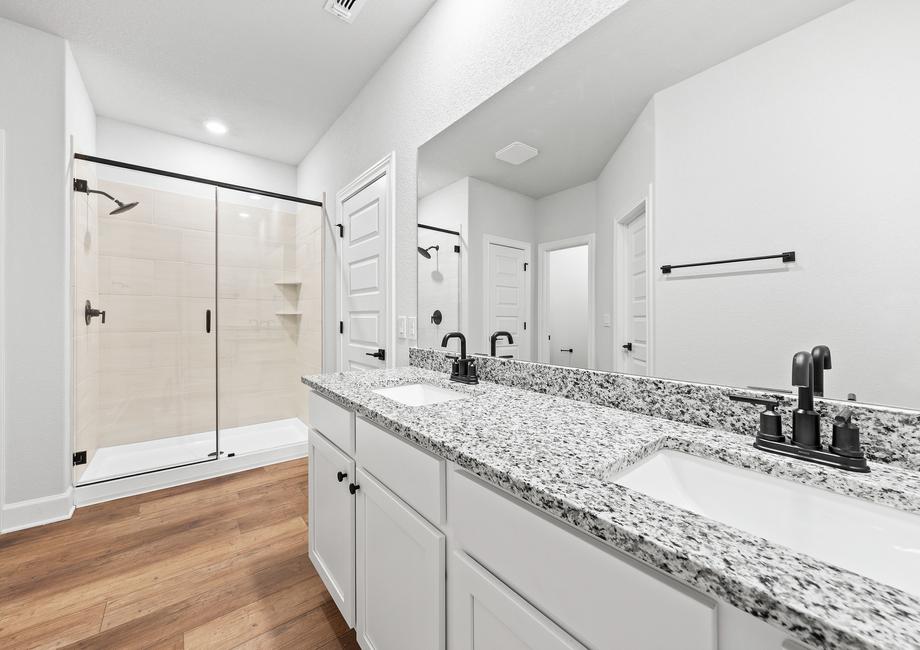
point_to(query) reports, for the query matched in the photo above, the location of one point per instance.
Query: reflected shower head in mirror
(424, 251)
(80, 185)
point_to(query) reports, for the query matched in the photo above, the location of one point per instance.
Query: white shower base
(179, 459)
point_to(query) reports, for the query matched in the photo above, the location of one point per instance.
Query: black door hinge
(341, 327)
(341, 230)
(79, 458)
(525, 324)
(456, 248)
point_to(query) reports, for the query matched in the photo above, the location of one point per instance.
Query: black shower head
(424, 251)
(80, 185)
(123, 207)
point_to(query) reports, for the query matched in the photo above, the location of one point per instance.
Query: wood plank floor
(217, 564)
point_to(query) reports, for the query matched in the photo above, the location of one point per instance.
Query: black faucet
(806, 424)
(844, 451)
(822, 358)
(463, 369)
(494, 339)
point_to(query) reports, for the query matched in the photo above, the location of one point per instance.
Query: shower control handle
(89, 313)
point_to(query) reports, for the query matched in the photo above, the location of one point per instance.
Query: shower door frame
(217, 186)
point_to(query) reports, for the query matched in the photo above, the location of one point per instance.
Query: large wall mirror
(685, 133)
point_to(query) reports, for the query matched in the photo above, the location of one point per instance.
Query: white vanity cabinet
(331, 519)
(419, 553)
(400, 573)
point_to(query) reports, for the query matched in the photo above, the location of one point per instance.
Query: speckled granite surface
(889, 435)
(554, 453)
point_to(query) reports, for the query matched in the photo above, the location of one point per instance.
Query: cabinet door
(401, 573)
(332, 522)
(486, 615)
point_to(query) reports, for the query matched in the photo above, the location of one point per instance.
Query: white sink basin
(873, 540)
(420, 394)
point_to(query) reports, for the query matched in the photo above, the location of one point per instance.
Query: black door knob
(341, 476)
(379, 354)
(628, 346)
(353, 488)
(566, 349)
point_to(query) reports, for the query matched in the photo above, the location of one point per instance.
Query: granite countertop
(558, 454)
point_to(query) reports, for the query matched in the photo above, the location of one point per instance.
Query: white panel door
(567, 309)
(487, 615)
(364, 252)
(400, 573)
(331, 517)
(508, 299)
(637, 297)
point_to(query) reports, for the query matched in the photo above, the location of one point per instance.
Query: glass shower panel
(439, 273)
(144, 294)
(269, 283)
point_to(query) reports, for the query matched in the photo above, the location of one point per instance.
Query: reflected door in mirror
(509, 297)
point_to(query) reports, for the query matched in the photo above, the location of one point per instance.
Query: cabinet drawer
(413, 474)
(333, 421)
(485, 614)
(601, 597)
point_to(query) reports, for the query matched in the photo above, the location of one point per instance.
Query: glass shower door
(144, 295)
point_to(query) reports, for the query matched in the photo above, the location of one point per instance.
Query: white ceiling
(577, 106)
(277, 72)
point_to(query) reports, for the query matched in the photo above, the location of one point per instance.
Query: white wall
(809, 143)
(459, 54)
(142, 146)
(567, 213)
(621, 187)
(34, 419)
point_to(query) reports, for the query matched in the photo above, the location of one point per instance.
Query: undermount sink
(876, 541)
(420, 394)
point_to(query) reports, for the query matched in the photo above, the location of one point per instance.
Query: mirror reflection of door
(635, 298)
(566, 279)
(509, 296)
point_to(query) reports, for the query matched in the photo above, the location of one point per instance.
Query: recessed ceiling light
(218, 128)
(516, 153)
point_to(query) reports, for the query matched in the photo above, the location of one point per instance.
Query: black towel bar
(788, 256)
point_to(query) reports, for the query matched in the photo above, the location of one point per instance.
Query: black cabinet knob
(353, 488)
(341, 476)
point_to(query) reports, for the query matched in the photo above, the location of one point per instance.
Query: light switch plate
(413, 327)
(401, 326)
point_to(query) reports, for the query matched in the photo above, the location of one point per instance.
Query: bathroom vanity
(493, 517)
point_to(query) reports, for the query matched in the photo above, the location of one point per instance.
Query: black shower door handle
(207, 321)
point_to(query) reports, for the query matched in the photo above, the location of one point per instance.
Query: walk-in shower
(438, 283)
(208, 297)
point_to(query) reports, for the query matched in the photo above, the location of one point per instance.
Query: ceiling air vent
(345, 10)
(516, 153)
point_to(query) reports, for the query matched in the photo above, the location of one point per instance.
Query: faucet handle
(771, 422)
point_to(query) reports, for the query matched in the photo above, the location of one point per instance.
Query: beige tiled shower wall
(309, 239)
(85, 286)
(156, 279)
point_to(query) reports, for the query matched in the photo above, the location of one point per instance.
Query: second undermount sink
(876, 541)
(420, 394)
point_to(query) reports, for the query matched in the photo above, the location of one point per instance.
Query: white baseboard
(37, 512)
(85, 495)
